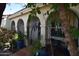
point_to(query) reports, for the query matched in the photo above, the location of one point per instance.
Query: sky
(13, 7)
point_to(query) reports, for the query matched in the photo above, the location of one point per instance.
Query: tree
(61, 8)
(69, 40)
(2, 8)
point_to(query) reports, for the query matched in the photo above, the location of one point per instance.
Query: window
(56, 30)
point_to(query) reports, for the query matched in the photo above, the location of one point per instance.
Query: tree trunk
(2, 8)
(69, 40)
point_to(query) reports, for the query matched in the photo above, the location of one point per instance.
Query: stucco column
(43, 34)
(16, 25)
(25, 31)
(42, 25)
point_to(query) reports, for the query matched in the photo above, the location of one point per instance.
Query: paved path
(22, 52)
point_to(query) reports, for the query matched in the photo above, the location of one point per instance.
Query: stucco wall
(42, 17)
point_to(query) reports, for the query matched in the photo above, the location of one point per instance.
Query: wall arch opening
(33, 29)
(20, 26)
(13, 25)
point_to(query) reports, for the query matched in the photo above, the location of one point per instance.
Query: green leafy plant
(19, 36)
(36, 45)
(74, 32)
(5, 36)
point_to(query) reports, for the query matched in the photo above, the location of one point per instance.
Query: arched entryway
(13, 25)
(20, 26)
(33, 29)
(55, 34)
